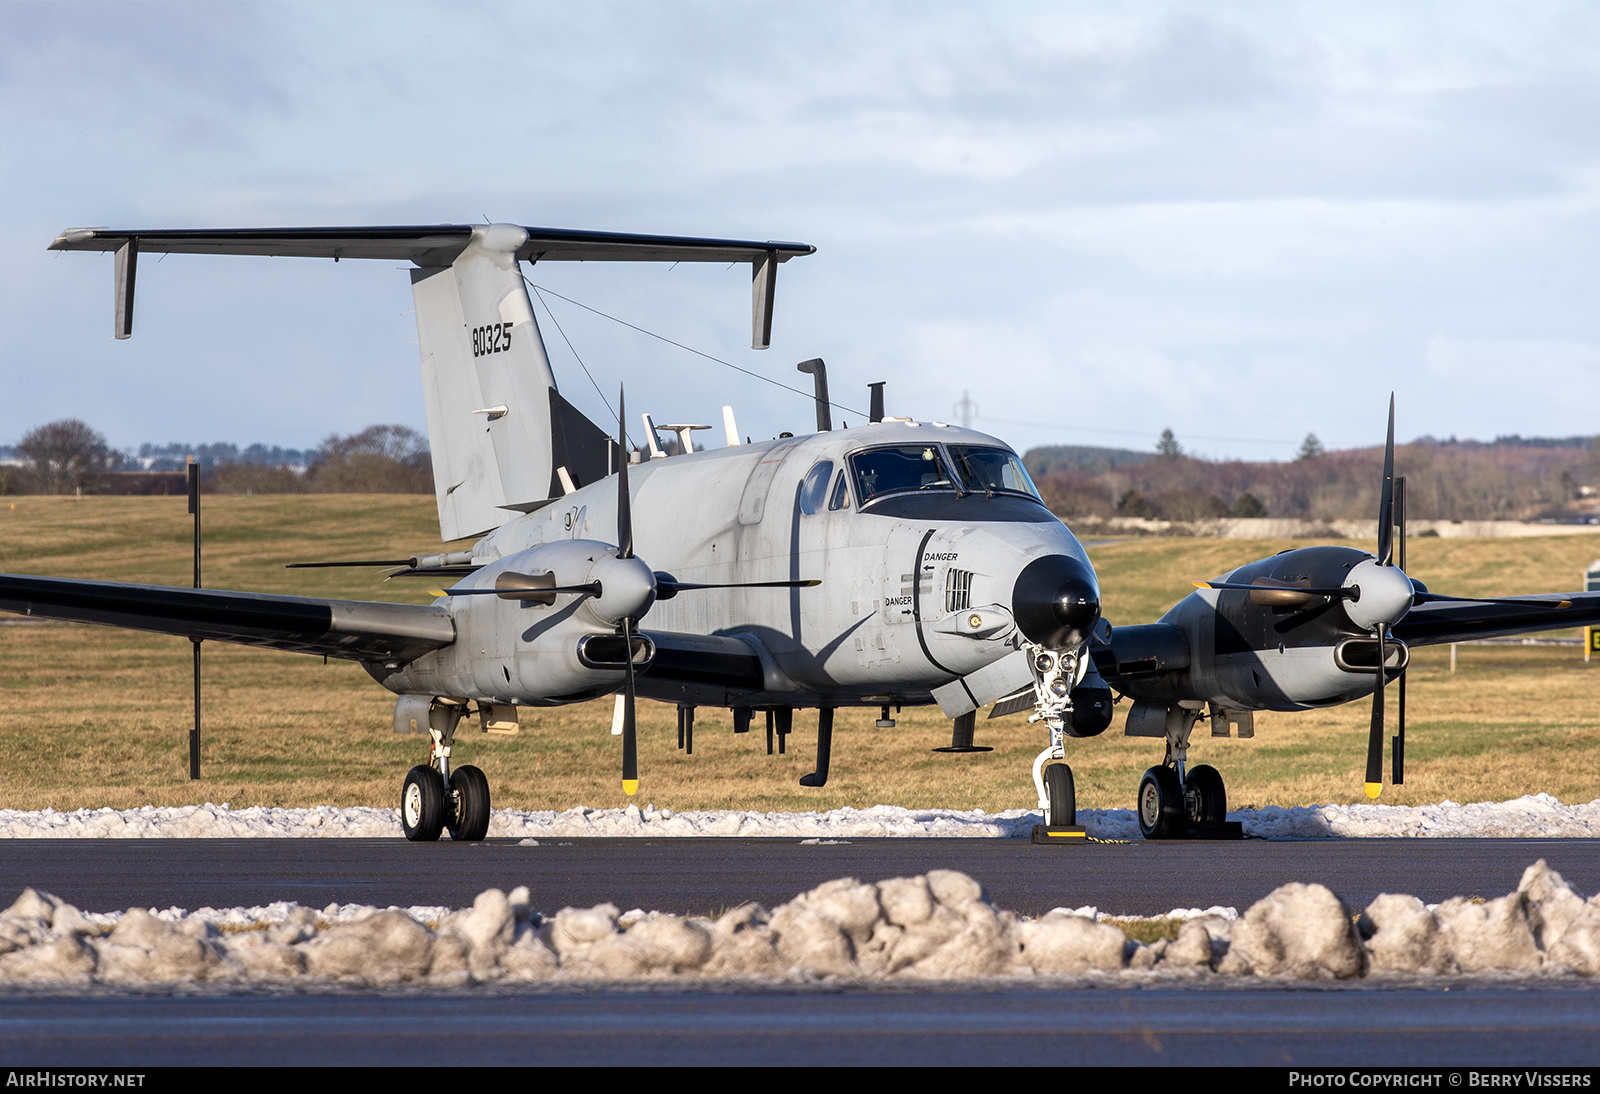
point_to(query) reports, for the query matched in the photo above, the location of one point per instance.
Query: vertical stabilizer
(487, 383)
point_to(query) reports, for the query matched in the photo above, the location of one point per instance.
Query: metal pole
(194, 508)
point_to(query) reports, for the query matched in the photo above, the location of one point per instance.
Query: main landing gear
(434, 797)
(1180, 802)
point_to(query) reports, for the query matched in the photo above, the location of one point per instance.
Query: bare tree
(65, 455)
(381, 459)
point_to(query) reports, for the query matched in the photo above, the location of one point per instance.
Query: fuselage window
(991, 469)
(897, 470)
(815, 487)
(841, 493)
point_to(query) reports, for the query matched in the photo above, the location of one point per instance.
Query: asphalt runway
(704, 876)
(1452, 1023)
(1276, 1026)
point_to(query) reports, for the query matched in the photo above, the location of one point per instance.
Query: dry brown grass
(97, 717)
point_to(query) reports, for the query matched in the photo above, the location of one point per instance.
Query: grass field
(98, 717)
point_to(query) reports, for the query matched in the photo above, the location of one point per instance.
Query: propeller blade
(1375, 735)
(1272, 594)
(624, 501)
(359, 562)
(630, 738)
(535, 588)
(668, 586)
(1386, 504)
(1424, 598)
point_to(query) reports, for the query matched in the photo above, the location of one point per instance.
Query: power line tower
(966, 409)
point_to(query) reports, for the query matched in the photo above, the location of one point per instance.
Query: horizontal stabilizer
(428, 245)
(438, 245)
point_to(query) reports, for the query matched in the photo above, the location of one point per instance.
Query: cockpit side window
(900, 469)
(991, 470)
(814, 490)
(841, 492)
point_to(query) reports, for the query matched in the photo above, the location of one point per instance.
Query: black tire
(1062, 795)
(422, 805)
(1160, 805)
(469, 819)
(1210, 797)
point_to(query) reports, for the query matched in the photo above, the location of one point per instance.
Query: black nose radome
(1056, 601)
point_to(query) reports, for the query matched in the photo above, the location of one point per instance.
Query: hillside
(1509, 479)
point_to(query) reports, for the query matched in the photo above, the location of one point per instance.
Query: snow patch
(1536, 815)
(939, 926)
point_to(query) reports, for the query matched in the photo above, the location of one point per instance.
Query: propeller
(630, 736)
(1374, 783)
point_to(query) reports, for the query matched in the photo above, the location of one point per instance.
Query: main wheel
(469, 819)
(422, 805)
(1161, 805)
(1063, 796)
(1207, 797)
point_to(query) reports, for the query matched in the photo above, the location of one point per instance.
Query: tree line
(69, 457)
(1508, 479)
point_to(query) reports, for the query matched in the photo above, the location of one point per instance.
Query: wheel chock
(1219, 830)
(1065, 833)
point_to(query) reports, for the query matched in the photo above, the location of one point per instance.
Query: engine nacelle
(517, 644)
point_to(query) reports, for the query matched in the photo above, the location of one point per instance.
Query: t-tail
(503, 438)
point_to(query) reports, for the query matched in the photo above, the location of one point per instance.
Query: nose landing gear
(1053, 676)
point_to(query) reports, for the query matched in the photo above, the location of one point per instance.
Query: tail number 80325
(495, 338)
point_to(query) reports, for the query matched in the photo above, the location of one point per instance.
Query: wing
(703, 660)
(352, 629)
(1463, 620)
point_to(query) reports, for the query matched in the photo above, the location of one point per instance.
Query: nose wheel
(1062, 795)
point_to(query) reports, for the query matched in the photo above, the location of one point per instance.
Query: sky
(1242, 222)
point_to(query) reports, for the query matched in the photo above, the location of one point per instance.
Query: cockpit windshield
(899, 469)
(991, 469)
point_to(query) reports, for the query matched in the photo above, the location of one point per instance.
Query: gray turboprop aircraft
(898, 563)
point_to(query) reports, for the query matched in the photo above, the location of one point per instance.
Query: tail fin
(501, 433)
(498, 427)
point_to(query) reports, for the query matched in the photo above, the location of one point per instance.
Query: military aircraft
(896, 563)
(883, 565)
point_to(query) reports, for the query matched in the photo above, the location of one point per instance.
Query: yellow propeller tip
(630, 787)
(437, 592)
(1373, 790)
(1200, 584)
